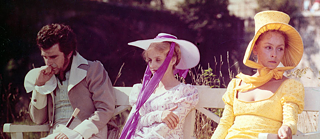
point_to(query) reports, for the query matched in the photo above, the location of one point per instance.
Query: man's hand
(61, 136)
(170, 118)
(44, 76)
(285, 132)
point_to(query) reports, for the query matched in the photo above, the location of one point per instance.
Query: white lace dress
(185, 96)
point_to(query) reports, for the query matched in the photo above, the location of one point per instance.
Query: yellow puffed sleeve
(292, 102)
(227, 118)
(228, 97)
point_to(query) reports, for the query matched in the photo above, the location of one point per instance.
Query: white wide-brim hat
(190, 55)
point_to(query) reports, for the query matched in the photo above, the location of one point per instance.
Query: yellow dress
(246, 120)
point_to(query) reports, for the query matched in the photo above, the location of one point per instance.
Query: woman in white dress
(161, 102)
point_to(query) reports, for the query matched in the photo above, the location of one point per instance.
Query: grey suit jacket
(89, 89)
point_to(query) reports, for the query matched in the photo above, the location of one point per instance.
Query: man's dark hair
(57, 33)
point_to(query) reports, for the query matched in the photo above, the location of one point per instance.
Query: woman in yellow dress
(266, 102)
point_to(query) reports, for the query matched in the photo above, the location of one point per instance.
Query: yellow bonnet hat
(266, 21)
(275, 20)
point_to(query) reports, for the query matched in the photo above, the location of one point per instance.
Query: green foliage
(287, 6)
(131, 1)
(216, 32)
(213, 82)
(219, 112)
(205, 126)
(25, 120)
(206, 77)
(31, 135)
(158, 5)
(11, 113)
(299, 72)
(213, 78)
(204, 14)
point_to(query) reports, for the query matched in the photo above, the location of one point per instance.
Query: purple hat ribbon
(166, 37)
(182, 72)
(148, 86)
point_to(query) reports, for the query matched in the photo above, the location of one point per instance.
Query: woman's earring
(255, 58)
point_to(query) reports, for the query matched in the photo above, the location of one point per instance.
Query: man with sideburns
(69, 81)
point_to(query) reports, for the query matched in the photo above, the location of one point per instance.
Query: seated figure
(68, 81)
(161, 102)
(266, 102)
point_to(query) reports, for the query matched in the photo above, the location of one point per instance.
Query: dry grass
(205, 127)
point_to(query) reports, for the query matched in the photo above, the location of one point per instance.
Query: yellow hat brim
(294, 51)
